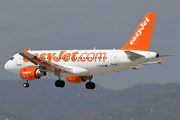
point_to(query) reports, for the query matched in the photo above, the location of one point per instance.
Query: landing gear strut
(59, 82)
(26, 85)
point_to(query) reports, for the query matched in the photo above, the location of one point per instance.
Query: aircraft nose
(6, 66)
(9, 66)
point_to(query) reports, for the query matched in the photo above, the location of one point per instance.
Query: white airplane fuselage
(83, 62)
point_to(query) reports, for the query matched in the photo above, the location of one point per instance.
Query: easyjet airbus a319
(80, 65)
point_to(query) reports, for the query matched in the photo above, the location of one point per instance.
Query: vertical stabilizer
(141, 37)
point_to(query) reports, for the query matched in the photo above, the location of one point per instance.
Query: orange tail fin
(141, 37)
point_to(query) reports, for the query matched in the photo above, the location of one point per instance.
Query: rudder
(141, 37)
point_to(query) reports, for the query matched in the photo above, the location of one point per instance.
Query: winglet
(24, 51)
(135, 68)
(160, 61)
(61, 70)
(141, 37)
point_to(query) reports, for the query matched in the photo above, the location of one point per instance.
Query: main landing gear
(90, 85)
(60, 83)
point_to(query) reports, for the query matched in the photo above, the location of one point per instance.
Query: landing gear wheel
(26, 85)
(93, 85)
(59, 83)
(90, 85)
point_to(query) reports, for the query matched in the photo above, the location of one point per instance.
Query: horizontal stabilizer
(166, 55)
(133, 56)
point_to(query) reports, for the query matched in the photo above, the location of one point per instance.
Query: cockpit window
(11, 58)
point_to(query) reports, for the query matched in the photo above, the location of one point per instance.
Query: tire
(93, 85)
(26, 85)
(60, 83)
(57, 84)
(88, 85)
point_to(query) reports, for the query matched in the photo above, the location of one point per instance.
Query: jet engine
(76, 79)
(31, 73)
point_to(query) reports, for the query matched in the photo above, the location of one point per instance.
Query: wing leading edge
(41, 62)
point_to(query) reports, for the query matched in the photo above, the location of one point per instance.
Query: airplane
(80, 65)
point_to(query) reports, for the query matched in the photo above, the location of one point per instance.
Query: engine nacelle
(74, 79)
(31, 73)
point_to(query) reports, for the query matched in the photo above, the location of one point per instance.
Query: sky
(85, 24)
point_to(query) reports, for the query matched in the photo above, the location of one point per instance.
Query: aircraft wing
(37, 60)
(153, 62)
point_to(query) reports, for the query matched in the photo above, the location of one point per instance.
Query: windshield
(11, 58)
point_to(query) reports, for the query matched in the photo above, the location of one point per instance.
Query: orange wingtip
(61, 70)
(24, 51)
(135, 68)
(160, 61)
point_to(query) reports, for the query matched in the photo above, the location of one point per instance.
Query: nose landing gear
(26, 85)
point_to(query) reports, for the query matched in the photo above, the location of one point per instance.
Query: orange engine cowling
(74, 79)
(31, 73)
